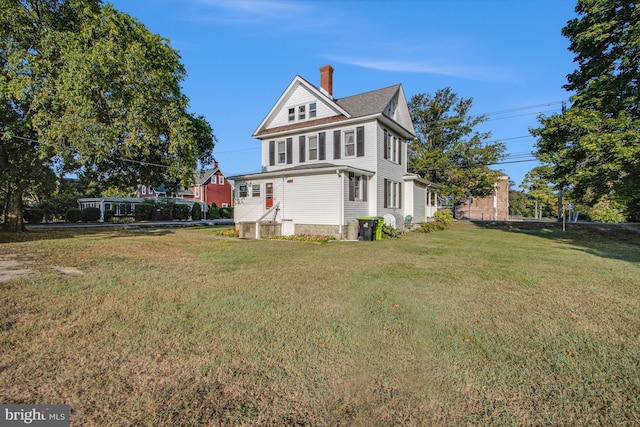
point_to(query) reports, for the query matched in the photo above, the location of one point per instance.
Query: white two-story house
(327, 162)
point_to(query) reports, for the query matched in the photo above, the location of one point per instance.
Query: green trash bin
(379, 228)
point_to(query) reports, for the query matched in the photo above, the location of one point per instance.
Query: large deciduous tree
(85, 86)
(447, 150)
(594, 146)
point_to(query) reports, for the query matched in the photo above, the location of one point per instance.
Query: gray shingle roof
(368, 103)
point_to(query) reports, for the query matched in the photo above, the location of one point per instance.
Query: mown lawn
(475, 325)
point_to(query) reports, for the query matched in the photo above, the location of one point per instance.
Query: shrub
(390, 232)
(165, 210)
(122, 220)
(226, 213)
(181, 211)
(90, 214)
(214, 213)
(444, 217)
(73, 215)
(196, 212)
(607, 211)
(312, 238)
(33, 215)
(108, 214)
(144, 211)
(428, 227)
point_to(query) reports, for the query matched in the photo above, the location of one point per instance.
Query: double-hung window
(242, 190)
(282, 152)
(292, 114)
(255, 190)
(312, 110)
(392, 194)
(392, 147)
(220, 179)
(349, 143)
(313, 147)
(357, 187)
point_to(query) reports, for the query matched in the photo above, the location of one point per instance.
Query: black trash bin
(367, 228)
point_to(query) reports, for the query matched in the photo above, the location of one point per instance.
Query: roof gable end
(299, 93)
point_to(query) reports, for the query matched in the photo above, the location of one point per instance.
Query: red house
(210, 186)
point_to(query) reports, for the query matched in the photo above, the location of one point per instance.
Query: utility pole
(560, 210)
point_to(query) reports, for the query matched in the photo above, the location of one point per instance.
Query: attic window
(302, 112)
(391, 108)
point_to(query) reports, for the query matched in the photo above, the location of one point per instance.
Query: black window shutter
(364, 180)
(386, 194)
(385, 142)
(352, 186)
(289, 151)
(302, 149)
(360, 141)
(322, 146)
(272, 153)
(336, 144)
(400, 195)
(400, 149)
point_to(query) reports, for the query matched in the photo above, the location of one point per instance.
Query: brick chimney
(326, 79)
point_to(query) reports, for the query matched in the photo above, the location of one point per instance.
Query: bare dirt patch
(11, 266)
(72, 271)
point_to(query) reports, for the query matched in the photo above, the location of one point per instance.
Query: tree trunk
(14, 214)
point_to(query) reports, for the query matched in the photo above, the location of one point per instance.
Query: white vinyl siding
(311, 199)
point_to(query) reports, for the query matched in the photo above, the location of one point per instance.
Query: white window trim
(283, 160)
(253, 187)
(246, 190)
(352, 144)
(315, 138)
(302, 112)
(221, 180)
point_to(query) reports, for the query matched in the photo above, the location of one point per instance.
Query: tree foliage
(594, 146)
(540, 190)
(447, 150)
(86, 86)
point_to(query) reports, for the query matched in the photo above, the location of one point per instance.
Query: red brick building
(494, 207)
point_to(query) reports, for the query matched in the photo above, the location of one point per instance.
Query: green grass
(474, 325)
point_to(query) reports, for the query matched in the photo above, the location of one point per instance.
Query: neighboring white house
(327, 162)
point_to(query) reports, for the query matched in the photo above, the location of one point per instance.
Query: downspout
(341, 193)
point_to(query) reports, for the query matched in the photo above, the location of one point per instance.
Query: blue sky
(240, 55)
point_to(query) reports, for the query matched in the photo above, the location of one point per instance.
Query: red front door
(269, 195)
